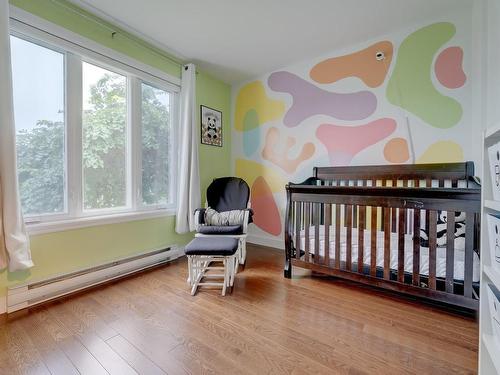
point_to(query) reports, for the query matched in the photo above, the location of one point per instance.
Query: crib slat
(328, 219)
(393, 210)
(406, 183)
(348, 239)
(307, 224)
(450, 250)
(355, 210)
(387, 243)
(337, 236)
(432, 233)
(416, 247)
(469, 254)
(361, 237)
(401, 244)
(373, 242)
(298, 227)
(316, 231)
(383, 183)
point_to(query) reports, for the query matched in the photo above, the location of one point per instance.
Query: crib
(365, 224)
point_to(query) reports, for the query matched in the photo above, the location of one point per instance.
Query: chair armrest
(247, 219)
(199, 218)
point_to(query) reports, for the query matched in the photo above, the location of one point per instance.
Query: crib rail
(416, 175)
(329, 229)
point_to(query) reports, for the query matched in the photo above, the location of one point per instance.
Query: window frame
(77, 50)
(173, 113)
(57, 215)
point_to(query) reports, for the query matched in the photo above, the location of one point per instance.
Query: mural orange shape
(281, 158)
(266, 214)
(361, 64)
(396, 150)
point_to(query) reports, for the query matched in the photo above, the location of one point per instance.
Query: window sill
(83, 222)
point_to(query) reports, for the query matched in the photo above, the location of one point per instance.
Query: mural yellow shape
(252, 99)
(442, 152)
(251, 170)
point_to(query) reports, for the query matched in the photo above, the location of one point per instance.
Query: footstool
(203, 252)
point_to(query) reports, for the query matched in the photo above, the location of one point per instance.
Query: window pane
(38, 88)
(155, 145)
(104, 138)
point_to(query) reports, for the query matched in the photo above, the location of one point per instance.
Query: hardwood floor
(150, 324)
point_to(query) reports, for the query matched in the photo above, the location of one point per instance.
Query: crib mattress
(459, 263)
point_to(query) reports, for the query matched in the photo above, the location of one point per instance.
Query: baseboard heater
(33, 293)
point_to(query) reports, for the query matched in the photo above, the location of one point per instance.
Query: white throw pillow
(234, 217)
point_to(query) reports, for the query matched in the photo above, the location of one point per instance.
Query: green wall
(61, 252)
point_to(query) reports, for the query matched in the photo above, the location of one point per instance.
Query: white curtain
(14, 242)
(188, 197)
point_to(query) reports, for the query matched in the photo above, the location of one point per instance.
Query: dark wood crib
(364, 224)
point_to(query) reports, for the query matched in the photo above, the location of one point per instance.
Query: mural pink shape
(310, 100)
(281, 158)
(266, 214)
(344, 142)
(448, 68)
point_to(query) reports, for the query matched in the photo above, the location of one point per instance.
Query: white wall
(466, 133)
(492, 56)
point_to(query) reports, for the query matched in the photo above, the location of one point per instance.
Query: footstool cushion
(224, 246)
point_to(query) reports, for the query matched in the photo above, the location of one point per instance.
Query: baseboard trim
(277, 244)
(40, 292)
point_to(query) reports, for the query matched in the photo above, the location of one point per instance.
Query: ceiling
(236, 40)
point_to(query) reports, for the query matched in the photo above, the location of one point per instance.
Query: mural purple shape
(310, 100)
(344, 142)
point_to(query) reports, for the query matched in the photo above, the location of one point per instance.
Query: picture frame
(211, 126)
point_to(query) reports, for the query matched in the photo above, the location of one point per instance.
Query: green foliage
(104, 144)
(155, 147)
(40, 167)
(40, 152)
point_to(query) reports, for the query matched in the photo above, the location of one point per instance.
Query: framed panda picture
(211, 126)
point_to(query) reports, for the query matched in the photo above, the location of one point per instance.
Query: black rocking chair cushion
(223, 246)
(220, 229)
(228, 193)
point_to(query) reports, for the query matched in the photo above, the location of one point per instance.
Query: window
(94, 138)
(40, 127)
(104, 127)
(155, 147)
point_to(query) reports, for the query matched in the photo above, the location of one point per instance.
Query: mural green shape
(410, 86)
(254, 108)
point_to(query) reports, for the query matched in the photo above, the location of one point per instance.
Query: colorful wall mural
(400, 99)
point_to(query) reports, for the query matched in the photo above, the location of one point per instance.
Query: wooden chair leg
(190, 270)
(233, 265)
(225, 262)
(243, 256)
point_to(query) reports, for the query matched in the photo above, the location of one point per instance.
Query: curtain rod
(95, 19)
(91, 50)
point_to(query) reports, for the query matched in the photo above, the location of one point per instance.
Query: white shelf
(492, 205)
(493, 275)
(493, 350)
(489, 350)
(492, 132)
